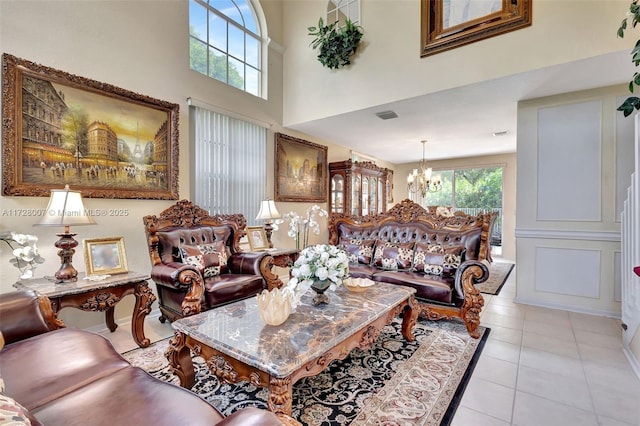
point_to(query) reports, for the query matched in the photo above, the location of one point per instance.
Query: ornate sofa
(197, 263)
(442, 257)
(60, 376)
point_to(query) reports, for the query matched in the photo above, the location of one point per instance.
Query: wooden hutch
(359, 188)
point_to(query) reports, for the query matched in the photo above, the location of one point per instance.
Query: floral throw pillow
(12, 413)
(205, 258)
(219, 249)
(358, 251)
(435, 259)
(393, 256)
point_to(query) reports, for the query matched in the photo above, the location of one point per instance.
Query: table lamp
(268, 211)
(65, 209)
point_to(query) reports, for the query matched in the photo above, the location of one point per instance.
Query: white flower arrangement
(300, 225)
(318, 263)
(26, 254)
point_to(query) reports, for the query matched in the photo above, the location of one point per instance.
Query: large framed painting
(301, 170)
(60, 129)
(446, 24)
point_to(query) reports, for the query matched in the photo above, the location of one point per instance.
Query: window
(341, 10)
(472, 191)
(225, 42)
(230, 164)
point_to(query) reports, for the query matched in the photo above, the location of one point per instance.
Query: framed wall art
(301, 170)
(446, 24)
(60, 129)
(105, 256)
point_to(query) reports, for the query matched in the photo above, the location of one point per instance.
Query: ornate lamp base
(66, 244)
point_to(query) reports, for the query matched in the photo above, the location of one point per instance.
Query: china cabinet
(359, 187)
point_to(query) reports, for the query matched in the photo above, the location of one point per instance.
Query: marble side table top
(51, 289)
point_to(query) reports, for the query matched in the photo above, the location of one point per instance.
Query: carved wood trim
(100, 302)
(50, 316)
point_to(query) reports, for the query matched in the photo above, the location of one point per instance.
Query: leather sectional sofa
(62, 376)
(440, 254)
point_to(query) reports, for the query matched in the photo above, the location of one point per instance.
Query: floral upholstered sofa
(440, 254)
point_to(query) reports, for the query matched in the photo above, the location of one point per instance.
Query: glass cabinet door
(337, 194)
(365, 196)
(355, 198)
(381, 190)
(373, 196)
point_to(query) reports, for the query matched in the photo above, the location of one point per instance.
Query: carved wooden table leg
(280, 395)
(179, 357)
(109, 319)
(144, 300)
(409, 318)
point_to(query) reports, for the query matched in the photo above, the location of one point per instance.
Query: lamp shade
(65, 209)
(268, 210)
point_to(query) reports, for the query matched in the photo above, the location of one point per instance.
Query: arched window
(225, 42)
(341, 10)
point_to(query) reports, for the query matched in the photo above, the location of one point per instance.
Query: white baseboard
(635, 363)
(570, 308)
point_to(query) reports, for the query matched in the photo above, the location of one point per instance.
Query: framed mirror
(447, 24)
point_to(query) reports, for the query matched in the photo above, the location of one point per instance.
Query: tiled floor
(540, 367)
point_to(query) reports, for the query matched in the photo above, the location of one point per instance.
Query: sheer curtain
(230, 164)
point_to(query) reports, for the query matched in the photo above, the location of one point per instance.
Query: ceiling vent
(387, 115)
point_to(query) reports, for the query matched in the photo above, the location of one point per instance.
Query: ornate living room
(320, 212)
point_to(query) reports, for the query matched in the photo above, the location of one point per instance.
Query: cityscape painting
(104, 141)
(301, 170)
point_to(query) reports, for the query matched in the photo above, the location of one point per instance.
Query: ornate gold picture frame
(104, 256)
(449, 24)
(301, 170)
(257, 238)
(60, 129)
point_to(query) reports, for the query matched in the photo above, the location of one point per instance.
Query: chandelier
(420, 181)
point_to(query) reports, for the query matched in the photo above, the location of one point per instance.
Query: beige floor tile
(595, 324)
(505, 310)
(563, 389)
(553, 316)
(623, 406)
(532, 410)
(504, 321)
(601, 354)
(608, 421)
(489, 398)
(496, 371)
(502, 350)
(597, 339)
(467, 417)
(505, 334)
(551, 363)
(619, 377)
(559, 331)
(550, 344)
(507, 301)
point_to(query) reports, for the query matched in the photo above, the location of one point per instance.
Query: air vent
(387, 115)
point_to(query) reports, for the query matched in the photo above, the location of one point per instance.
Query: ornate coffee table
(238, 346)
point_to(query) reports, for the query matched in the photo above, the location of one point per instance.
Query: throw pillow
(358, 251)
(393, 256)
(435, 259)
(208, 261)
(220, 250)
(12, 413)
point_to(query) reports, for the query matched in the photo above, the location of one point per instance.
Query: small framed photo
(105, 256)
(257, 238)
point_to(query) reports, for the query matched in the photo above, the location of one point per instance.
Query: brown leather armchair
(186, 289)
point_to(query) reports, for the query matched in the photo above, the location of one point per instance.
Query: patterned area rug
(498, 274)
(393, 383)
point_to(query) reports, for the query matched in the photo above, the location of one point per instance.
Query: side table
(283, 258)
(99, 296)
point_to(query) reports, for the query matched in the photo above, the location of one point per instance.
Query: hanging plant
(632, 102)
(336, 44)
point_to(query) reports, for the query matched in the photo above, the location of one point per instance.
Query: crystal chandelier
(420, 181)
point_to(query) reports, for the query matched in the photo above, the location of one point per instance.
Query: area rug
(394, 382)
(498, 274)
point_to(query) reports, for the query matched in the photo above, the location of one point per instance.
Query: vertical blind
(230, 164)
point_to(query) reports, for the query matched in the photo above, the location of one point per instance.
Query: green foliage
(479, 188)
(631, 103)
(336, 44)
(217, 67)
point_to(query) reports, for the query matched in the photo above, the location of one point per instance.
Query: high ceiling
(461, 122)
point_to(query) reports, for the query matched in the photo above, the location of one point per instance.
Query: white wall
(572, 158)
(388, 67)
(508, 161)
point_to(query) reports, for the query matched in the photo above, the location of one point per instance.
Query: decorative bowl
(358, 285)
(274, 306)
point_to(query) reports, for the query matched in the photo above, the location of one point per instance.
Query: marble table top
(50, 288)
(238, 331)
